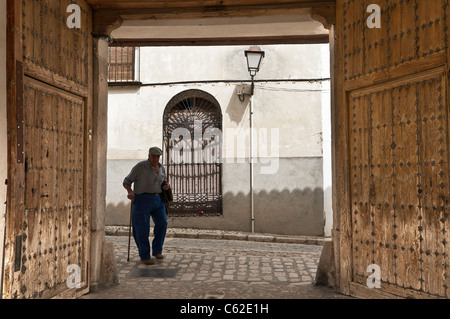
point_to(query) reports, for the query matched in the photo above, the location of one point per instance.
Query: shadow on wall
(296, 212)
(287, 212)
(237, 109)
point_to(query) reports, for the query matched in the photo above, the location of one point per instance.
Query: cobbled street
(218, 269)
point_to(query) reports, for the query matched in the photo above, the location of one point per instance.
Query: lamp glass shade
(254, 59)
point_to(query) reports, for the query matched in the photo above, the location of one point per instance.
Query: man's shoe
(148, 261)
(159, 256)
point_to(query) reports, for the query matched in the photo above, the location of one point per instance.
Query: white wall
(300, 111)
(3, 129)
(326, 144)
(135, 117)
(169, 64)
(293, 107)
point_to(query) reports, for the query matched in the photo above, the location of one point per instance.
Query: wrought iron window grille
(196, 184)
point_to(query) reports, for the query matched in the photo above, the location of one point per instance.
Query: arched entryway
(192, 127)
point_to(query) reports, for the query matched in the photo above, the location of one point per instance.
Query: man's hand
(130, 195)
(166, 186)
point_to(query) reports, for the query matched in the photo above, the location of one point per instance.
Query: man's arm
(130, 191)
(130, 179)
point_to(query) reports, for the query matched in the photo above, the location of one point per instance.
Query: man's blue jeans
(144, 207)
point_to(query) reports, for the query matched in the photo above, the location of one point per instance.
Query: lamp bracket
(245, 90)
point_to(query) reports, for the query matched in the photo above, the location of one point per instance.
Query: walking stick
(129, 231)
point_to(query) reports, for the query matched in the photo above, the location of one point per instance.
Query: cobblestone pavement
(217, 269)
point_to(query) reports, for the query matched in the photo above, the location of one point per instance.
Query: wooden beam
(155, 4)
(104, 25)
(106, 20)
(325, 15)
(301, 39)
(210, 12)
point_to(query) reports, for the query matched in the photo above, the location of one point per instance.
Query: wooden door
(392, 84)
(47, 241)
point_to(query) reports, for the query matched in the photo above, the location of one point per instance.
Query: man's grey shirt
(144, 178)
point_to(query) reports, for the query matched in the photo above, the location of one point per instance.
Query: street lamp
(254, 57)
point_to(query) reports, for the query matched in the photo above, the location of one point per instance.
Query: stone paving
(215, 269)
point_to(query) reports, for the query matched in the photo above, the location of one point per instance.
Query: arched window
(192, 128)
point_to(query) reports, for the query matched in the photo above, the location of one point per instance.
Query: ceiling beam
(260, 40)
(325, 15)
(104, 17)
(173, 4)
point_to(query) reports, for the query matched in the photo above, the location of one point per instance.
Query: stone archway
(107, 21)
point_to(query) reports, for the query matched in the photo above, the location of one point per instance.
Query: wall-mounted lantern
(254, 57)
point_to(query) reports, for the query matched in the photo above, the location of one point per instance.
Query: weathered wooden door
(47, 241)
(392, 86)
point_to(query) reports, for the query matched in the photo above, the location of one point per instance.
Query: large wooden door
(392, 85)
(47, 241)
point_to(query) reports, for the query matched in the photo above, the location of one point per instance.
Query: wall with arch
(288, 127)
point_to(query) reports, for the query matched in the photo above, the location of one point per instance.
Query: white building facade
(286, 189)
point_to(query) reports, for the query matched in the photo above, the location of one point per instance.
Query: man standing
(148, 176)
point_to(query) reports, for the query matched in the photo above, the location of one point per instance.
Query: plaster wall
(174, 64)
(288, 200)
(288, 203)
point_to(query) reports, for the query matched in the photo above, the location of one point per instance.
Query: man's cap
(155, 151)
